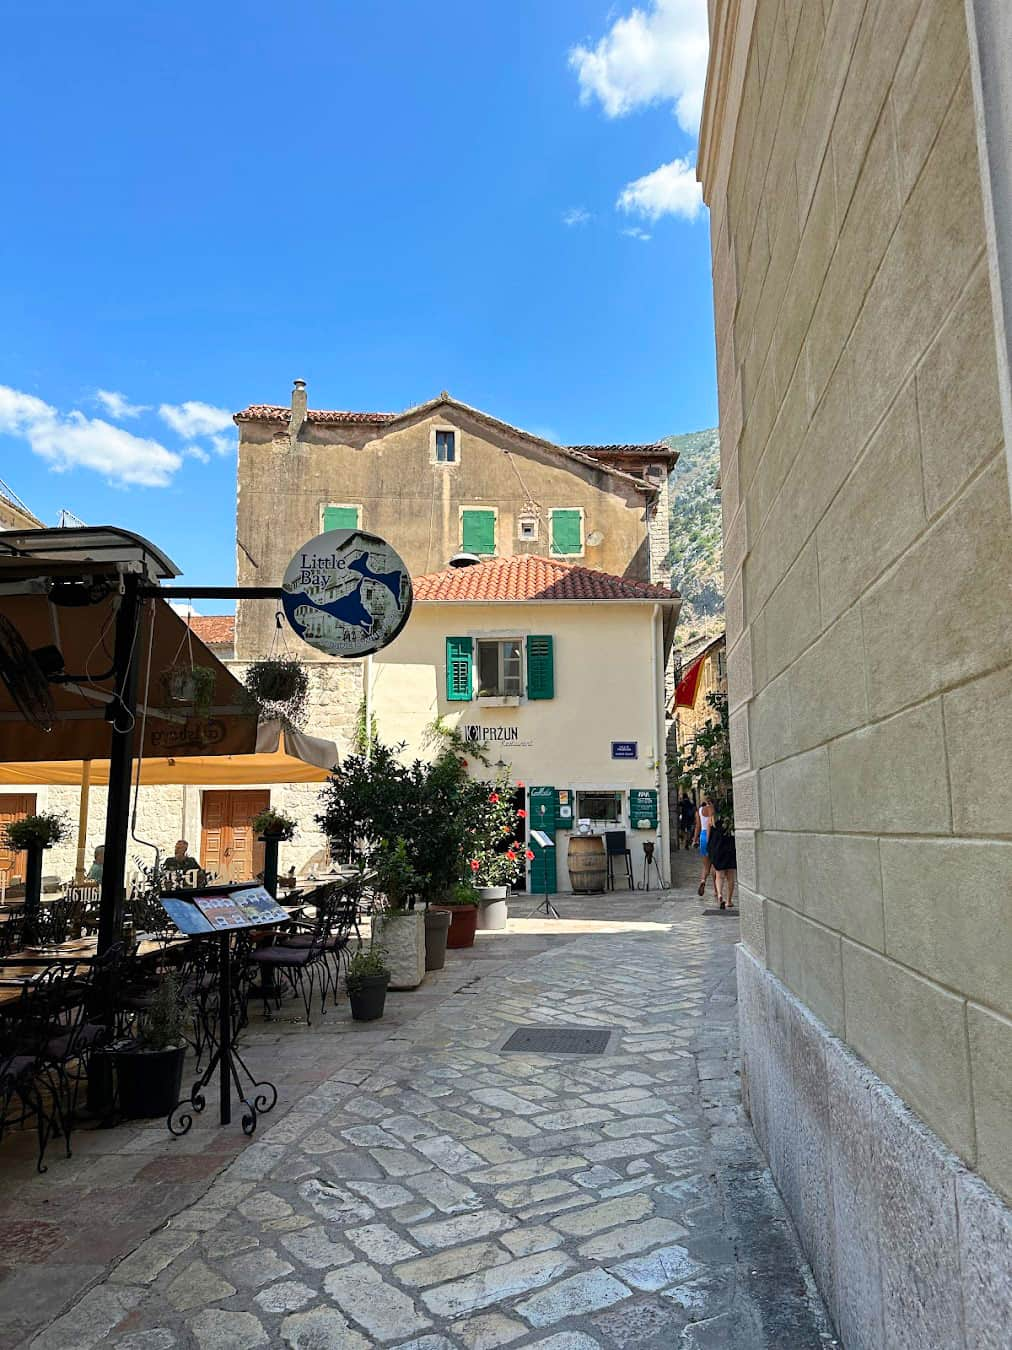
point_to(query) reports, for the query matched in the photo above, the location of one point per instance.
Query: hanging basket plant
(274, 824)
(279, 687)
(41, 831)
(190, 685)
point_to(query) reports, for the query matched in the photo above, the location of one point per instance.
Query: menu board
(186, 916)
(246, 907)
(259, 906)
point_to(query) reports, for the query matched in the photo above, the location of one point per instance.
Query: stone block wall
(868, 550)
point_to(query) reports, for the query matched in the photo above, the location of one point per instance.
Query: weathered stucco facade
(388, 469)
(867, 560)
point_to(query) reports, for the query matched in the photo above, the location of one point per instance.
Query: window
(500, 668)
(477, 530)
(341, 517)
(446, 447)
(540, 667)
(458, 669)
(566, 531)
(527, 527)
(601, 806)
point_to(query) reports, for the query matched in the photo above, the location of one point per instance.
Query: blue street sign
(624, 750)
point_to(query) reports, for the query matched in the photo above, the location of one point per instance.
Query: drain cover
(558, 1041)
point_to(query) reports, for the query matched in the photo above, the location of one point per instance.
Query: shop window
(341, 517)
(603, 807)
(446, 447)
(477, 530)
(566, 531)
(500, 668)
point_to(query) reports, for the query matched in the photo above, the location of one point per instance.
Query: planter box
(367, 995)
(403, 942)
(149, 1081)
(463, 922)
(437, 926)
(493, 909)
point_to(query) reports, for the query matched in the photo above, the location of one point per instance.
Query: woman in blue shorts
(705, 817)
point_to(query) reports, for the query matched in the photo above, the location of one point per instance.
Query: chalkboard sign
(643, 808)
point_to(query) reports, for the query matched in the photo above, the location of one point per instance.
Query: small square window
(500, 668)
(603, 807)
(527, 527)
(446, 447)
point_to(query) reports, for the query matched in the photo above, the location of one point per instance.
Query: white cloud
(195, 418)
(654, 55)
(671, 190)
(118, 406)
(195, 452)
(184, 609)
(225, 443)
(576, 215)
(634, 232)
(72, 440)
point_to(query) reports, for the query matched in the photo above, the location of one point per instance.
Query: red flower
(519, 784)
(529, 856)
(494, 797)
(522, 814)
(511, 855)
(475, 864)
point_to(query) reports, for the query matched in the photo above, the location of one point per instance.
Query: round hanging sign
(347, 593)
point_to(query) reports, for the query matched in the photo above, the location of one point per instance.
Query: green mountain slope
(697, 562)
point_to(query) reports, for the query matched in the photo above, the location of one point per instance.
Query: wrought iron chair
(39, 1030)
(341, 908)
(295, 965)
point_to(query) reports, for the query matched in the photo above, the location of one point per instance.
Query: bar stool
(615, 847)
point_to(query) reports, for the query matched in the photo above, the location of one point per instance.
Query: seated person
(181, 861)
(94, 872)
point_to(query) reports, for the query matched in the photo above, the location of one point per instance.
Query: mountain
(694, 531)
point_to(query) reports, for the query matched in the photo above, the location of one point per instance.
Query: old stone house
(856, 159)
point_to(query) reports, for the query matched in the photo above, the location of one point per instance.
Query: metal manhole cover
(558, 1041)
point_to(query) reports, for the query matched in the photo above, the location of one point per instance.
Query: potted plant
(192, 685)
(150, 1072)
(395, 925)
(367, 981)
(271, 824)
(461, 901)
(496, 853)
(279, 686)
(31, 835)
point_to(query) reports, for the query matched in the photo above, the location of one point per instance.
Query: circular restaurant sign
(347, 593)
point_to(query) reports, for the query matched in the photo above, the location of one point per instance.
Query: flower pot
(463, 922)
(492, 908)
(402, 940)
(437, 927)
(367, 995)
(149, 1081)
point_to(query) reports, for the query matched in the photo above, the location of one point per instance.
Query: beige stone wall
(415, 503)
(868, 549)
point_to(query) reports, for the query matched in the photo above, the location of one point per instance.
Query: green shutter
(340, 518)
(458, 669)
(540, 667)
(478, 531)
(543, 874)
(567, 532)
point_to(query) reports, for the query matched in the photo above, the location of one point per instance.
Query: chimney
(298, 416)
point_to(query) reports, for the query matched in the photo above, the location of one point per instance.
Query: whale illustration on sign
(347, 593)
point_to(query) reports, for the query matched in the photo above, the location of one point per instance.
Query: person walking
(724, 858)
(705, 818)
(686, 820)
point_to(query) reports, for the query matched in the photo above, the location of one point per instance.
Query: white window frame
(480, 506)
(527, 519)
(583, 531)
(500, 699)
(342, 506)
(433, 457)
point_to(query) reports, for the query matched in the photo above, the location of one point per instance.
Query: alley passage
(435, 1193)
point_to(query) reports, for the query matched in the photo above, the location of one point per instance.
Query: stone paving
(428, 1192)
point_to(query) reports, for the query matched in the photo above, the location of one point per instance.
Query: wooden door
(228, 846)
(13, 806)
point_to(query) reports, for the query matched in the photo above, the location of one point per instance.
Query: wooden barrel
(588, 866)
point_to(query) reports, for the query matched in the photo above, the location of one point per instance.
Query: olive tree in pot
(367, 984)
(396, 927)
(150, 1071)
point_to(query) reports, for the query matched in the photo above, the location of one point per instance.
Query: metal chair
(296, 964)
(615, 847)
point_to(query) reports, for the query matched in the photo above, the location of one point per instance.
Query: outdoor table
(83, 950)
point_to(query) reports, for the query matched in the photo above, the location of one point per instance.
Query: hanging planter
(40, 832)
(190, 685)
(279, 686)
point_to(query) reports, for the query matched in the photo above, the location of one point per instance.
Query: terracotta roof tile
(529, 577)
(217, 630)
(272, 412)
(648, 450)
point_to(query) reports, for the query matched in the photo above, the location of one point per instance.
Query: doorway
(228, 846)
(13, 806)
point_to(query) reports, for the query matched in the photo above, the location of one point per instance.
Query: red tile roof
(273, 412)
(655, 450)
(528, 577)
(217, 630)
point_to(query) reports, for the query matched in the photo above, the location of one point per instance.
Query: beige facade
(293, 464)
(868, 553)
(14, 515)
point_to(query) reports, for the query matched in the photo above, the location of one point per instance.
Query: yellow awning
(280, 757)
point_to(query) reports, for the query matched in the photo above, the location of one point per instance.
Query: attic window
(446, 447)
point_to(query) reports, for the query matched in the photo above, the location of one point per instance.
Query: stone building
(856, 161)
(14, 514)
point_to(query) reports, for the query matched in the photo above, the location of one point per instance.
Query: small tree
(705, 763)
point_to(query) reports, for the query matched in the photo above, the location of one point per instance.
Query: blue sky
(205, 201)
